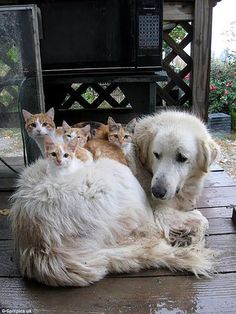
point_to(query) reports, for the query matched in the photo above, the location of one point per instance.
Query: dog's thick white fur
(74, 230)
(177, 150)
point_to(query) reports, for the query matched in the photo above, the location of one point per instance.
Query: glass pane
(20, 79)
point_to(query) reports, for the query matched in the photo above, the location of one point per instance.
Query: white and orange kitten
(123, 137)
(38, 125)
(65, 158)
(82, 134)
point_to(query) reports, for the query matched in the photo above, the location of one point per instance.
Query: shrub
(222, 96)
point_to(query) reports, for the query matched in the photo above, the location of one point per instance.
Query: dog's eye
(181, 158)
(158, 156)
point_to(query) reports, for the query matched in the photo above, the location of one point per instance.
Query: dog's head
(174, 154)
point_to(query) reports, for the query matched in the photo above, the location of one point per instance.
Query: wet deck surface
(145, 292)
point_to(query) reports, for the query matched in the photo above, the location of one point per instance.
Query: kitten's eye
(78, 136)
(66, 155)
(53, 154)
(181, 158)
(126, 136)
(158, 156)
(115, 135)
(33, 125)
(44, 124)
(68, 135)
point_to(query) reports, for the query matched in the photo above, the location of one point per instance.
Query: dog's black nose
(159, 191)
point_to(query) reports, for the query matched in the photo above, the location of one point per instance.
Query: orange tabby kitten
(64, 159)
(82, 134)
(102, 148)
(38, 125)
(123, 138)
(97, 129)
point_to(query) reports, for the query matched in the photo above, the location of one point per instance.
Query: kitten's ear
(110, 120)
(86, 129)
(50, 113)
(112, 125)
(73, 144)
(26, 114)
(48, 143)
(131, 125)
(65, 125)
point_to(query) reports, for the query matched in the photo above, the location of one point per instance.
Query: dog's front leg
(181, 228)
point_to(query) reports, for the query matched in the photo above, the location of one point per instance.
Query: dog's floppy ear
(208, 151)
(144, 132)
(143, 142)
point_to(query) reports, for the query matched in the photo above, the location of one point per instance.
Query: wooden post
(201, 54)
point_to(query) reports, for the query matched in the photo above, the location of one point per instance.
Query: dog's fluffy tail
(69, 267)
(63, 266)
(150, 254)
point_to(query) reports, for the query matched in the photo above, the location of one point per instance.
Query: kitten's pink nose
(38, 131)
(59, 162)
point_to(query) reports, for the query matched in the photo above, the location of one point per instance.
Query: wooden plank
(216, 179)
(201, 53)
(4, 199)
(175, 11)
(219, 196)
(118, 295)
(5, 230)
(217, 212)
(7, 184)
(9, 266)
(221, 226)
(226, 244)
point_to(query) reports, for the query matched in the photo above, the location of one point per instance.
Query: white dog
(74, 230)
(177, 150)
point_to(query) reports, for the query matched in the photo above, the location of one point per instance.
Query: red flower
(229, 84)
(212, 87)
(187, 77)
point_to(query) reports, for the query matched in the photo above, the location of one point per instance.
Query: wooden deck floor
(144, 292)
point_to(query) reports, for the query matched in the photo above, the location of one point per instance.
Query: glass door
(20, 81)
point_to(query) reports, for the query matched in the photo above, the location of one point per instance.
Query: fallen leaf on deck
(4, 211)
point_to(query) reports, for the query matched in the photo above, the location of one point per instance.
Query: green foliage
(222, 96)
(178, 34)
(13, 53)
(89, 95)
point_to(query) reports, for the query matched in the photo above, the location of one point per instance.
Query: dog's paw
(180, 237)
